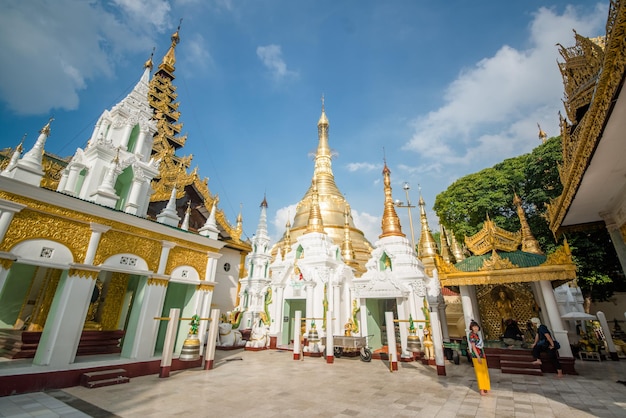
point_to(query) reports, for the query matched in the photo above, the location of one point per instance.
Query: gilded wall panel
(29, 224)
(114, 299)
(117, 242)
(180, 256)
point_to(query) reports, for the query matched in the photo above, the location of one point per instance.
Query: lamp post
(407, 205)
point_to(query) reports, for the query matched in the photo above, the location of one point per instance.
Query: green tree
(464, 206)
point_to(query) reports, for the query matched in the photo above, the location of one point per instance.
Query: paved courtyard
(271, 384)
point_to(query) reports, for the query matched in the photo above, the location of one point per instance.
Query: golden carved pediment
(492, 237)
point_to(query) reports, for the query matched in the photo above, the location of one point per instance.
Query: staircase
(104, 378)
(519, 361)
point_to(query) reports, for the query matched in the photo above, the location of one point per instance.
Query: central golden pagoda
(334, 209)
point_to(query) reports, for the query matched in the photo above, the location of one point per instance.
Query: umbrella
(579, 316)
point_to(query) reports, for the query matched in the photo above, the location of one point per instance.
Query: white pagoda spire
(169, 216)
(185, 225)
(14, 158)
(29, 168)
(209, 229)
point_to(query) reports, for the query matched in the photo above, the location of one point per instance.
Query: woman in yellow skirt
(478, 359)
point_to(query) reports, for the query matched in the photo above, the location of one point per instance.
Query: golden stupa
(335, 210)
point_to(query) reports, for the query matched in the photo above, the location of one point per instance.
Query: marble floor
(271, 384)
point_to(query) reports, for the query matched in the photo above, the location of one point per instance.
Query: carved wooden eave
(581, 140)
(558, 267)
(492, 237)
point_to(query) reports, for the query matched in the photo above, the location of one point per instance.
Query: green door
(289, 318)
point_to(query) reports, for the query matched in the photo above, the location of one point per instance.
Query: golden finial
(391, 222)
(542, 135)
(148, 64)
(264, 202)
(46, 129)
(169, 60)
(426, 247)
(20, 146)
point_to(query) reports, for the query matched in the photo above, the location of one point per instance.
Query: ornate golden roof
(581, 138)
(332, 204)
(492, 237)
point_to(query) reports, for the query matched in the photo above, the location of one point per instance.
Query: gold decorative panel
(180, 256)
(497, 302)
(74, 235)
(113, 301)
(116, 242)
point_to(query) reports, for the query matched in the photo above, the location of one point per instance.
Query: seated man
(512, 334)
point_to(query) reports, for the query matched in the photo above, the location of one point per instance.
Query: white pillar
(310, 288)
(443, 318)
(363, 318)
(7, 211)
(330, 343)
(64, 325)
(94, 240)
(169, 342)
(211, 339)
(337, 310)
(206, 294)
(391, 341)
(404, 332)
(128, 129)
(607, 335)
(72, 178)
(211, 266)
(141, 140)
(142, 330)
(552, 310)
(435, 325)
(468, 308)
(132, 204)
(297, 349)
(166, 246)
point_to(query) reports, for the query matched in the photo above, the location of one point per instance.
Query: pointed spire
(169, 215)
(529, 243)
(287, 238)
(239, 225)
(446, 253)
(322, 172)
(185, 224)
(35, 154)
(315, 223)
(426, 248)
(347, 250)
(391, 222)
(261, 230)
(148, 64)
(457, 251)
(209, 229)
(169, 60)
(14, 158)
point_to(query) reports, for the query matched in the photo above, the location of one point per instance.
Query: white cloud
(369, 224)
(280, 220)
(352, 167)
(141, 12)
(272, 58)
(503, 97)
(55, 48)
(197, 55)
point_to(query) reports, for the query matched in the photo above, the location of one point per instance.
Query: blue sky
(441, 89)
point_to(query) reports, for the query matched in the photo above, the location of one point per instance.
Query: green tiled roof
(519, 258)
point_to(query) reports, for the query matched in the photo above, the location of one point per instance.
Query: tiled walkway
(271, 384)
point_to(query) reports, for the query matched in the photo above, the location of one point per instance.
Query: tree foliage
(465, 205)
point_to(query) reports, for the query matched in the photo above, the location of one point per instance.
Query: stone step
(515, 370)
(110, 377)
(516, 357)
(107, 382)
(519, 364)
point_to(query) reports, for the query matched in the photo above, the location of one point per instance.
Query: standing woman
(478, 359)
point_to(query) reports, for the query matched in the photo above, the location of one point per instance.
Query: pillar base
(296, 356)
(394, 366)
(273, 343)
(330, 359)
(165, 371)
(208, 365)
(441, 370)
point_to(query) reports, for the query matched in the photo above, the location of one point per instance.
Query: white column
(211, 339)
(166, 246)
(607, 335)
(169, 342)
(296, 336)
(211, 266)
(94, 240)
(363, 318)
(64, 325)
(132, 205)
(542, 304)
(435, 325)
(552, 310)
(277, 314)
(468, 308)
(142, 330)
(443, 318)
(391, 341)
(7, 211)
(128, 128)
(337, 310)
(330, 344)
(72, 178)
(205, 308)
(404, 332)
(141, 140)
(310, 288)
